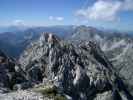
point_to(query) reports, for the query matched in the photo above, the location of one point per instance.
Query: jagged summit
(81, 71)
(48, 37)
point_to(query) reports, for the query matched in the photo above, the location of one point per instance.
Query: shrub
(60, 97)
(48, 91)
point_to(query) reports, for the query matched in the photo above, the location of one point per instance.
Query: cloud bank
(106, 10)
(18, 22)
(52, 18)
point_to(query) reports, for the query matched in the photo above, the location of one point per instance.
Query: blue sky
(116, 14)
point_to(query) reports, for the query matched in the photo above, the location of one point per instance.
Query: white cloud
(52, 18)
(128, 5)
(106, 10)
(59, 18)
(18, 22)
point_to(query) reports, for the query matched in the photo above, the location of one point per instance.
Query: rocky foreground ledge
(57, 70)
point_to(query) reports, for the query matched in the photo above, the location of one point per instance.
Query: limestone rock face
(80, 71)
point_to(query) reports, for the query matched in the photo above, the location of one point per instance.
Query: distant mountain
(12, 28)
(16, 40)
(13, 43)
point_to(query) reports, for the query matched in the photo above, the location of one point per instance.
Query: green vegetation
(50, 92)
(60, 97)
(66, 46)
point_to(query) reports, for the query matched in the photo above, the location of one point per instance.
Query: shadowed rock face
(81, 71)
(9, 76)
(5, 66)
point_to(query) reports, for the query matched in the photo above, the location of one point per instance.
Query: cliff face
(81, 71)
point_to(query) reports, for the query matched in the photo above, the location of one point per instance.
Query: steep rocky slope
(117, 47)
(80, 71)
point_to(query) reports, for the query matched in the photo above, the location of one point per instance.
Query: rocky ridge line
(74, 69)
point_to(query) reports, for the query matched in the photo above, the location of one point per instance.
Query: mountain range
(13, 42)
(67, 62)
(54, 69)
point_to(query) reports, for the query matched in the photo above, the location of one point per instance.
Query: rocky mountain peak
(48, 37)
(73, 69)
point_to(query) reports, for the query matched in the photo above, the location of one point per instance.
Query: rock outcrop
(80, 71)
(9, 75)
(23, 95)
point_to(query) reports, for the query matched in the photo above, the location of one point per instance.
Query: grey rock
(23, 95)
(117, 47)
(81, 71)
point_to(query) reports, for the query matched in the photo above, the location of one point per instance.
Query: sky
(110, 14)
